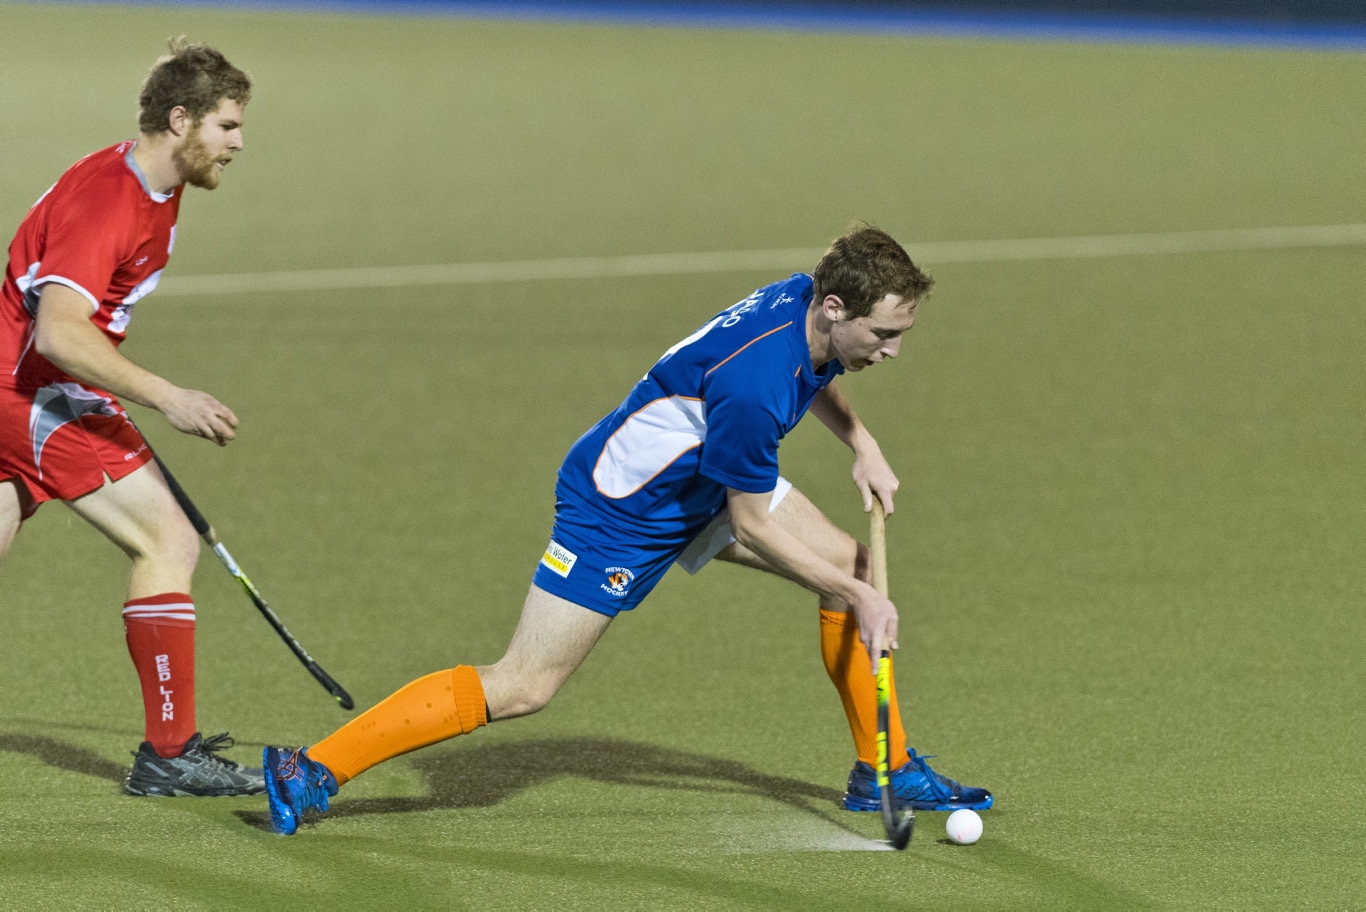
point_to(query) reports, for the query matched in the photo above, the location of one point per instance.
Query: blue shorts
(610, 571)
(604, 573)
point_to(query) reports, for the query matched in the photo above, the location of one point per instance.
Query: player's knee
(510, 693)
(861, 564)
(181, 544)
(527, 702)
(172, 545)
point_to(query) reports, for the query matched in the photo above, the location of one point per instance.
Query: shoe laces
(942, 788)
(220, 742)
(209, 748)
(313, 780)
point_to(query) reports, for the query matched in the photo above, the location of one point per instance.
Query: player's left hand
(874, 476)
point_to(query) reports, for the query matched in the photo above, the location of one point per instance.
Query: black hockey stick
(898, 829)
(210, 537)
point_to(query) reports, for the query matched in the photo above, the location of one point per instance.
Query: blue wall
(1323, 24)
(1250, 11)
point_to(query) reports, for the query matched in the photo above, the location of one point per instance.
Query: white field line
(793, 259)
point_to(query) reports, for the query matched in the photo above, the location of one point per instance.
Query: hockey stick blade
(899, 829)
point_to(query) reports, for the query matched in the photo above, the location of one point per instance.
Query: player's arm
(754, 527)
(65, 336)
(872, 473)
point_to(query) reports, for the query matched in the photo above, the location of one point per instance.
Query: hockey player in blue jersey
(686, 470)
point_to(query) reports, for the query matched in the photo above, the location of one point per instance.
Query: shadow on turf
(64, 756)
(488, 775)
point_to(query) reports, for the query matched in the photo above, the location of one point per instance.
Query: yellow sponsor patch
(558, 559)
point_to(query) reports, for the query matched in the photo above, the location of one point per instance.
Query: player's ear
(178, 120)
(834, 309)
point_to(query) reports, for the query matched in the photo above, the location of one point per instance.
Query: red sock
(160, 634)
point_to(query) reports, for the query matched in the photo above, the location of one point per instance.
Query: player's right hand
(877, 624)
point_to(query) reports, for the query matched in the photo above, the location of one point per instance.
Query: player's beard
(195, 163)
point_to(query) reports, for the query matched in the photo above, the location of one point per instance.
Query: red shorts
(64, 440)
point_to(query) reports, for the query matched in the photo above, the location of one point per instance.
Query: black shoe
(197, 773)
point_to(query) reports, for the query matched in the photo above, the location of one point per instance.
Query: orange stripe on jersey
(748, 344)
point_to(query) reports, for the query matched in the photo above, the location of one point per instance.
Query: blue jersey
(708, 416)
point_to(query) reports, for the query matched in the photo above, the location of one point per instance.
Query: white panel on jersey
(118, 322)
(648, 443)
(26, 287)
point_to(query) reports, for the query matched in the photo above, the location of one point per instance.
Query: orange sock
(846, 661)
(430, 709)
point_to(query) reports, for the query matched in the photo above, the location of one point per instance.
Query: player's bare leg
(13, 501)
(138, 514)
(799, 516)
(552, 639)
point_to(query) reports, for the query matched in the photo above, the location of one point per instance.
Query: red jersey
(99, 231)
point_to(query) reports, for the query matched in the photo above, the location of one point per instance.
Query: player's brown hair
(193, 76)
(864, 266)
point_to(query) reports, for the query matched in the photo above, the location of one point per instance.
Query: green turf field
(1128, 553)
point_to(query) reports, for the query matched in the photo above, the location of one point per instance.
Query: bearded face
(198, 166)
(209, 145)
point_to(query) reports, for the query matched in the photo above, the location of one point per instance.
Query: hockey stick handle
(877, 546)
(201, 525)
(206, 531)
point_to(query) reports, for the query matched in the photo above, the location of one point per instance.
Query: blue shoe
(294, 784)
(914, 785)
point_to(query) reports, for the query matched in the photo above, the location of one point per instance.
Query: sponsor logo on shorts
(618, 581)
(558, 559)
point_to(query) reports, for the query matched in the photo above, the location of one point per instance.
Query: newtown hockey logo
(618, 581)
